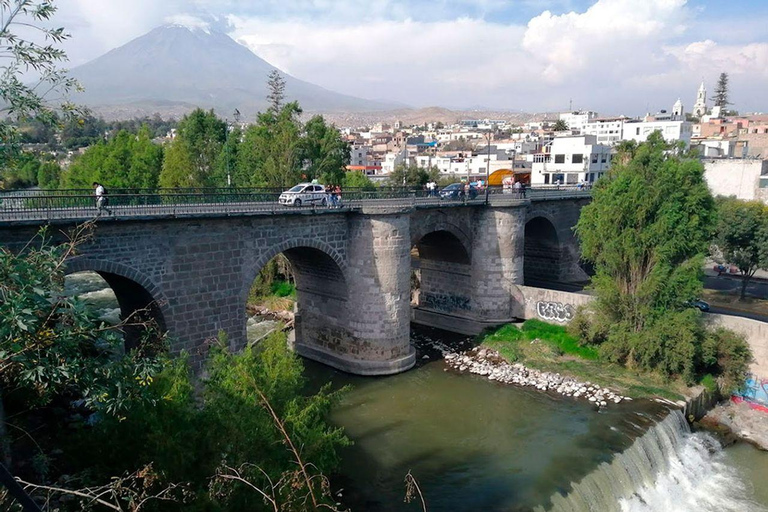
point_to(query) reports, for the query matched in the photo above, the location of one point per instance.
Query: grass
(279, 297)
(551, 348)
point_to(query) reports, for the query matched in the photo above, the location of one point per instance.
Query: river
(473, 444)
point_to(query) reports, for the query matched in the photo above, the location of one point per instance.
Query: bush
(728, 355)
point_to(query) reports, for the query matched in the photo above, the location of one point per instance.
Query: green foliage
(324, 154)
(721, 91)
(646, 231)
(413, 176)
(560, 126)
(49, 175)
(557, 336)
(728, 355)
(128, 160)
(21, 171)
(709, 382)
(188, 441)
(741, 237)
(283, 289)
(190, 160)
(29, 43)
(357, 179)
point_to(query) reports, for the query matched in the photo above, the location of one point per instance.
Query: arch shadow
(543, 259)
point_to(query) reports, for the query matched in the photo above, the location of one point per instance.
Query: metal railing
(80, 204)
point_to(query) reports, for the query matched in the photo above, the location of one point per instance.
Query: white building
(576, 121)
(608, 130)
(569, 160)
(671, 130)
(359, 154)
(700, 107)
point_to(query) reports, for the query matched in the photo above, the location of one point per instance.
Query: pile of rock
(489, 363)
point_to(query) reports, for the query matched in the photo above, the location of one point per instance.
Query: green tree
(270, 154)
(358, 179)
(191, 157)
(721, 91)
(49, 175)
(412, 176)
(324, 153)
(560, 126)
(128, 160)
(742, 237)
(276, 96)
(27, 43)
(227, 168)
(646, 231)
(52, 348)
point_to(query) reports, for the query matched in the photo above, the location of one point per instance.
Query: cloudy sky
(614, 56)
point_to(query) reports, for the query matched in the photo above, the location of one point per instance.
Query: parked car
(304, 193)
(699, 304)
(456, 191)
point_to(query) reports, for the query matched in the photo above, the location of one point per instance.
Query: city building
(608, 130)
(700, 107)
(570, 160)
(743, 178)
(576, 121)
(671, 130)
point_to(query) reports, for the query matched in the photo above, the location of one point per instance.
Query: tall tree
(191, 157)
(742, 237)
(646, 231)
(325, 155)
(276, 86)
(28, 44)
(721, 91)
(560, 126)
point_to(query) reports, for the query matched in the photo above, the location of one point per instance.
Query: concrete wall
(735, 176)
(552, 306)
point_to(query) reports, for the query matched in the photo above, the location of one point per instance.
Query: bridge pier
(376, 336)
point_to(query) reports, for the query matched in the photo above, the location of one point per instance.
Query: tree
(721, 91)
(276, 86)
(27, 44)
(227, 170)
(742, 237)
(191, 157)
(412, 176)
(127, 161)
(646, 231)
(49, 175)
(358, 179)
(324, 153)
(271, 152)
(560, 126)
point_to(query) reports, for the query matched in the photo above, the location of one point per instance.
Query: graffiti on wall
(556, 311)
(755, 390)
(445, 303)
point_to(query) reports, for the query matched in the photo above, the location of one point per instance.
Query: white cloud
(617, 56)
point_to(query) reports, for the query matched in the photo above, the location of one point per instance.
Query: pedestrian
(331, 196)
(522, 189)
(337, 196)
(518, 186)
(101, 198)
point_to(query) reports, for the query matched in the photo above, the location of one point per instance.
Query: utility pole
(488, 168)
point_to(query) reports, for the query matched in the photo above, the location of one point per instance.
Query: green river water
(476, 445)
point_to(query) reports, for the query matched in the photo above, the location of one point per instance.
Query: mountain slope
(173, 65)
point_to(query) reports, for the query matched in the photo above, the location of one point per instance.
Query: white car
(304, 193)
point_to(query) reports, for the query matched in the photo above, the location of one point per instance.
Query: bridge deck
(44, 207)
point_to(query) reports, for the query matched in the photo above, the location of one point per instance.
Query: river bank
(737, 420)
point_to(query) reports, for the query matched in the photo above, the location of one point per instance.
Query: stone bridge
(353, 271)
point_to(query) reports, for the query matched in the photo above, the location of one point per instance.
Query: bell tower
(700, 107)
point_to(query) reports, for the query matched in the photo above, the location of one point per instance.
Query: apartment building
(570, 160)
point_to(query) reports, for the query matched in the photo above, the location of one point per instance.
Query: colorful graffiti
(755, 390)
(556, 311)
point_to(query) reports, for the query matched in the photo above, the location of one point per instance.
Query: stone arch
(322, 293)
(543, 261)
(441, 225)
(134, 291)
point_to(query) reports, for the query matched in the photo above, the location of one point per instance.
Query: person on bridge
(101, 198)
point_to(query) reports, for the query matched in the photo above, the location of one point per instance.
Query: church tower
(677, 109)
(700, 107)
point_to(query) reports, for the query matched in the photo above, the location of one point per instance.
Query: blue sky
(614, 56)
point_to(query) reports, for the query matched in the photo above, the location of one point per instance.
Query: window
(546, 179)
(572, 178)
(577, 159)
(637, 132)
(603, 158)
(559, 159)
(594, 158)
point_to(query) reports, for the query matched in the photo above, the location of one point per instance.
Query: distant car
(456, 191)
(699, 304)
(304, 193)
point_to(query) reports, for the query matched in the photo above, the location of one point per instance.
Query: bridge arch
(322, 291)
(136, 294)
(441, 264)
(543, 251)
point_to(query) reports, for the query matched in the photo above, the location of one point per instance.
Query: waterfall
(666, 469)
